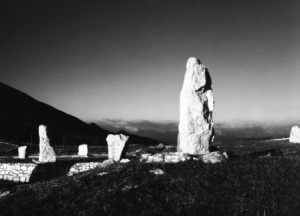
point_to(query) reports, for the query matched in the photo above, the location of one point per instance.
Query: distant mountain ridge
(20, 116)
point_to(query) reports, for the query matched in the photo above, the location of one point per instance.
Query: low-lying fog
(167, 131)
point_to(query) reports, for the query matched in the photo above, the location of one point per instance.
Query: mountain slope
(20, 116)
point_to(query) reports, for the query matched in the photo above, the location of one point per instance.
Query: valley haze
(224, 131)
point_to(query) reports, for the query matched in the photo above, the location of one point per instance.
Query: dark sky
(126, 59)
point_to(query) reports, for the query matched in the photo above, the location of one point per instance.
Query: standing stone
(196, 106)
(295, 134)
(116, 144)
(83, 150)
(22, 152)
(47, 153)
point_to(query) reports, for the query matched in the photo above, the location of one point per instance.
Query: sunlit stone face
(196, 106)
(83, 150)
(22, 152)
(116, 144)
(47, 153)
(295, 134)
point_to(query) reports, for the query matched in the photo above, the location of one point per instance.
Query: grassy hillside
(247, 184)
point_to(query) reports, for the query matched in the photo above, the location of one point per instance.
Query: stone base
(176, 157)
(194, 144)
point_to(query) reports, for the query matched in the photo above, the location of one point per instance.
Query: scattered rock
(22, 152)
(156, 149)
(171, 157)
(176, 157)
(157, 172)
(47, 153)
(196, 106)
(267, 153)
(157, 158)
(3, 194)
(102, 173)
(160, 147)
(129, 187)
(116, 144)
(83, 150)
(225, 155)
(107, 163)
(124, 160)
(213, 157)
(295, 134)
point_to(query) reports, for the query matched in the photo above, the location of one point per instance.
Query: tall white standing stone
(22, 152)
(295, 134)
(47, 153)
(83, 150)
(196, 106)
(116, 144)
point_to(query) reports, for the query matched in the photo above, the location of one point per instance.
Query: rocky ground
(259, 178)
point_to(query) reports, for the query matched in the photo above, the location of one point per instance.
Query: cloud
(165, 131)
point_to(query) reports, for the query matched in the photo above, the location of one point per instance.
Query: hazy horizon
(125, 60)
(167, 131)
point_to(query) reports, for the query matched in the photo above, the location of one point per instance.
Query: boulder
(107, 163)
(213, 157)
(47, 153)
(156, 149)
(83, 150)
(157, 171)
(295, 134)
(175, 157)
(196, 106)
(22, 152)
(116, 144)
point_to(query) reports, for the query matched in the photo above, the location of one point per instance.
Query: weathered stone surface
(196, 106)
(125, 160)
(3, 194)
(295, 134)
(47, 153)
(171, 157)
(108, 163)
(159, 147)
(157, 171)
(22, 152)
(157, 158)
(213, 157)
(102, 173)
(83, 150)
(116, 144)
(225, 155)
(176, 157)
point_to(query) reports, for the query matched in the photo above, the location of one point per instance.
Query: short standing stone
(196, 106)
(83, 150)
(47, 153)
(295, 134)
(116, 144)
(22, 152)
